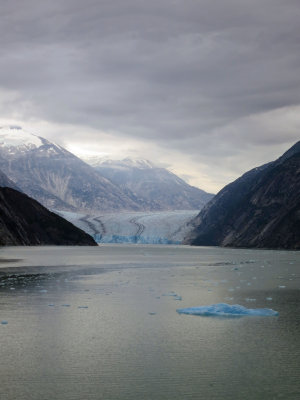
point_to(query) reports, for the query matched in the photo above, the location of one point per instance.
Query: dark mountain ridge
(23, 221)
(260, 209)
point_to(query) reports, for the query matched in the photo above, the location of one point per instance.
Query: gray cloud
(197, 76)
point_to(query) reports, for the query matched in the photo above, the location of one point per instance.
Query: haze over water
(101, 323)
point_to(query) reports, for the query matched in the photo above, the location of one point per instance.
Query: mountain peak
(295, 149)
(137, 163)
(15, 136)
(128, 162)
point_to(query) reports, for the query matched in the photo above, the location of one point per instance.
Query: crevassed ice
(227, 310)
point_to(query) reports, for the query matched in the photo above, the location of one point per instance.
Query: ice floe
(227, 310)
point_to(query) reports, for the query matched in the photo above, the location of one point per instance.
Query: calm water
(101, 323)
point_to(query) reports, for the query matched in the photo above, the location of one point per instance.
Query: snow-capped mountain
(14, 137)
(157, 187)
(60, 180)
(55, 177)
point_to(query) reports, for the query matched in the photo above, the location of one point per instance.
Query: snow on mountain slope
(15, 137)
(96, 161)
(57, 178)
(157, 187)
(14, 140)
(169, 227)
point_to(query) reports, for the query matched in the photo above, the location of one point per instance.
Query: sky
(206, 88)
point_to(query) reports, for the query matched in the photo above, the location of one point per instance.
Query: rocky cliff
(261, 209)
(23, 221)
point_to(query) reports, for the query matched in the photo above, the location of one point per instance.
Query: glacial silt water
(82, 323)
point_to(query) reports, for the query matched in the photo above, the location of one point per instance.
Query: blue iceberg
(227, 310)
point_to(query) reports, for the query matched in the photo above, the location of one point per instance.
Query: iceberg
(227, 310)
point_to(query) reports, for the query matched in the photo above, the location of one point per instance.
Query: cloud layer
(209, 87)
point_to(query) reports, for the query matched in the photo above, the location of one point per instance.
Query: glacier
(227, 310)
(164, 227)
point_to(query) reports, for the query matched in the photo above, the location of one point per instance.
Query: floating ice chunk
(4, 322)
(174, 295)
(177, 298)
(248, 299)
(282, 287)
(43, 291)
(269, 298)
(227, 310)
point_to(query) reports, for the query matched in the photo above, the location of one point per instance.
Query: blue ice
(227, 310)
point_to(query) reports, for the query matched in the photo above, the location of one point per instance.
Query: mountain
(260, 209)
(55, 177)
(155, 187)
(6, 182)
(23, 221)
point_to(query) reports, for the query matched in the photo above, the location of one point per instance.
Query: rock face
(23, 221)
(156, 188)
(5, 182)
(55, 177)
(261, 209)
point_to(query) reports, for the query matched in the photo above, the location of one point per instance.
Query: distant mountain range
(153, 186)
(54, 176)
(260, 209)
(60, 180)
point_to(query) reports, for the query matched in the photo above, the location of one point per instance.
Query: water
(101, 323)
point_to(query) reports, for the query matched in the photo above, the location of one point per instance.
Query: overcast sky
(208, 88)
